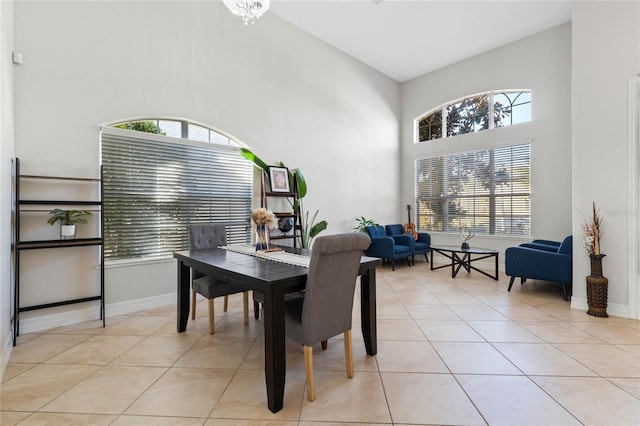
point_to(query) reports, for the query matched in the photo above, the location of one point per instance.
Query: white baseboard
(46, 322)
(6, 354)
(614, 309)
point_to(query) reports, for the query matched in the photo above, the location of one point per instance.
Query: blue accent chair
(420, 246)
(389, 248)
(539, 261)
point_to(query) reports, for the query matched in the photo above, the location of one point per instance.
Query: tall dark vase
(597, 288)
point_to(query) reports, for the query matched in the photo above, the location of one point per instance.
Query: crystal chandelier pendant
(248, 10)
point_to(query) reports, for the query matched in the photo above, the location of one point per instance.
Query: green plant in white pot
(68, 219)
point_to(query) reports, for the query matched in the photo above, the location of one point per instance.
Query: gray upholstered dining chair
(325, 309)
(204, 236)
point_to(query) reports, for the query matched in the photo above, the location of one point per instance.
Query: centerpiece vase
(597, 288)
(262, 237)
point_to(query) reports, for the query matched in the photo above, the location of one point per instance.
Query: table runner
(276, 256)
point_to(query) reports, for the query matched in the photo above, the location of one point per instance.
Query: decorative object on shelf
(68, 220)
(597, 284)
(466, 235)
(362, 223)
(248, 10)
(263, 219)
(285, 224)
(279, 179)
(309, 229)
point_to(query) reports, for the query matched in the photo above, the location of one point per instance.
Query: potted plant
(362, 223)
(597, 284)
(68, 220)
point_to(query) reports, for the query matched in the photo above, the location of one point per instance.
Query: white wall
(541, 63)
(603, 62)
(6, 154)
(288, 96)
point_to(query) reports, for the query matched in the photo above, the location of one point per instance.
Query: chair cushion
(395, 229)
(401, 249)
(421, 246)
(376, 231)
(210, 287)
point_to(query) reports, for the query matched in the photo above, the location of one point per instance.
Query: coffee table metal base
(462, 259)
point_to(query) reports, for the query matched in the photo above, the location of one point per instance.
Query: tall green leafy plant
(310, 228)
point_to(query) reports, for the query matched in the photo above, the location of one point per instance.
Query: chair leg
(324, 344)
(256, 309)
(226, 303)
(245, 305)
(565, 294)
(212, 327)
(308, 369)
(413, 260)
(408, 261)
(393, 265)
(511, 283)
(348, 353)
(193, 304)
(426, 257)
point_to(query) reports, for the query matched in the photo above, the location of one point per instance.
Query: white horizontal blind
(487, 191)
(154, 186)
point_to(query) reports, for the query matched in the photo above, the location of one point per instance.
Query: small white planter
(67, 232)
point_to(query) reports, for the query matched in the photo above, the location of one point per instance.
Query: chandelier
(248, 10)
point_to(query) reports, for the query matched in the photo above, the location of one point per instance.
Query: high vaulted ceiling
(405, 39)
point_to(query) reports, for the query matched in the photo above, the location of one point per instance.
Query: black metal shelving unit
(20, 245)
(294, 214)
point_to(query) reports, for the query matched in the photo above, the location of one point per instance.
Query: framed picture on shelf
(279, 179)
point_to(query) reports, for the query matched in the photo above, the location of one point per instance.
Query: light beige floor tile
(606, 360)
(416, 398)
(542, 359)
(14, 369)
(559, 332)
(412, 357)
(143, 325)
(235, 422)
(448, 331)
(503, 331)
(67, 419)
(11, 418)
(216, 352)
(341, 399)
(431, 312)
(157, 351)
(459, 299)
(89, 327)
(523, 313)
(157, 421)
(513, 400)
(611, 332)
(399, 330)
(593, 401)
(246, 398)
(98, 350)
(34, 388)
(44, 347)
(392, 311)
(198, 327)
(632, 349)
(109, 391)
(183, 392)
(632, 386)
(477, 313)
(474, 358)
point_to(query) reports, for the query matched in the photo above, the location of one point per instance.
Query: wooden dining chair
(204, 236)
(325, 308)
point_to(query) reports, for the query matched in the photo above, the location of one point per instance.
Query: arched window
(475, 113)
(162, 174)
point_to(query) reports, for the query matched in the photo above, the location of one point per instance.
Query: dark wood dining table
(273, 280)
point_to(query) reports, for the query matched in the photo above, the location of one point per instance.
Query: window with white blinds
(155, 185)
(487, 191)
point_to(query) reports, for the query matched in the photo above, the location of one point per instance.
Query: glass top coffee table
(462, 258)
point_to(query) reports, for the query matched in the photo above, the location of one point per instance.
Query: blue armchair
(420, 246)
(539, 261)
(389, 248)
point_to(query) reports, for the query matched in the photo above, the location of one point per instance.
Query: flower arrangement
(592, 232)
(264, 217)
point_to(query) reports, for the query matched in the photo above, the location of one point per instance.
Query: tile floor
(450, 352)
